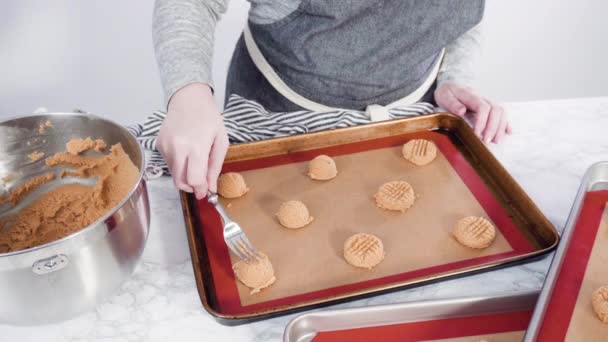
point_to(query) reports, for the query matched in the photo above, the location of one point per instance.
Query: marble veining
(554, 142)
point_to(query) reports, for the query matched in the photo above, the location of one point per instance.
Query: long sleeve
(183, 36)
(461, 58)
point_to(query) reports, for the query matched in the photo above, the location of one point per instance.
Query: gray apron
(350, 54)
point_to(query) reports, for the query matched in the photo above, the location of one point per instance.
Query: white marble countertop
(553, 144)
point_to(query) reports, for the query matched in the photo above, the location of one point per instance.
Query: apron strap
(375, 112)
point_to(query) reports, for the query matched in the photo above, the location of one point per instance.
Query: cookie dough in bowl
(69, 207)
(74, 226)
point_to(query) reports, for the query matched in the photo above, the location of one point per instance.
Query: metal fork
(234, 236)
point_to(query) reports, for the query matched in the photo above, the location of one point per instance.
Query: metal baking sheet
(501, 197)
(422, 320)
(589, 204)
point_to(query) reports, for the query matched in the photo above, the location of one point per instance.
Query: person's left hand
(490, 124)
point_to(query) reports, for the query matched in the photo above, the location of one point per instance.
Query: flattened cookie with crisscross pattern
(599, 300)
(396, 195)
(475, 232)
(363, 250)
(420, 151)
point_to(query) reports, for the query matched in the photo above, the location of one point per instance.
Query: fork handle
(212, 198)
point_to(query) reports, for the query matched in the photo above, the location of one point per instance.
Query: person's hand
(193, 140)
(490, 124)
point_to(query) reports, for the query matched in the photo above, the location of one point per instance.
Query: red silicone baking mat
(569, 314)
(227, 299)
(502, 326)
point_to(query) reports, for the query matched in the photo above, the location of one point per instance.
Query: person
(296, 54)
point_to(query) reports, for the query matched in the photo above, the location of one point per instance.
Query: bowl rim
(113, 210)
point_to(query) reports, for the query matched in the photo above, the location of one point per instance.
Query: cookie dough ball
(322, 168)
(397, 195)
(255, 274)
(599, 300)
(231, 185)
(420, 151)
(474, 232)
(363, 250)
(294, 214)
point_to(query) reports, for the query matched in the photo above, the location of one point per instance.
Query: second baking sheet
(570, 315)
(499, 317)
(498, 327)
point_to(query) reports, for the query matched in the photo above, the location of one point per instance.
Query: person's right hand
(193, 139)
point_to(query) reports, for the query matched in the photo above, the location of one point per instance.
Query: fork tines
(243, 248)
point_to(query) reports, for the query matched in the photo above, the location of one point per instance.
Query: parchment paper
(584, 324)
(512, 336)
(310, 258)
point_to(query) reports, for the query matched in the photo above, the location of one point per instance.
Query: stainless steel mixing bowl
(60, 279)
